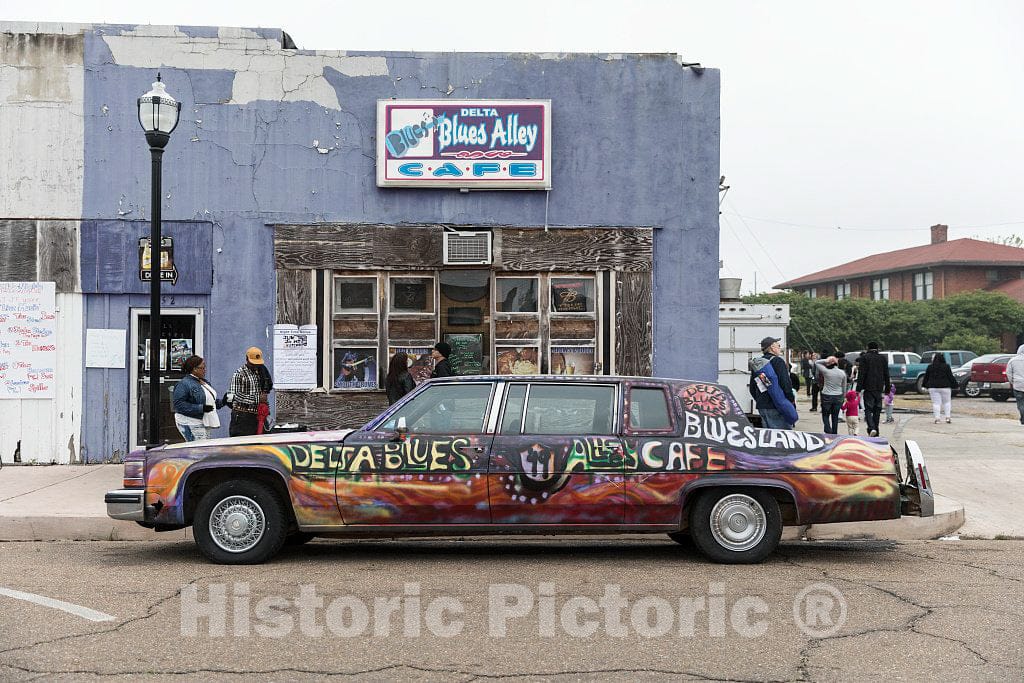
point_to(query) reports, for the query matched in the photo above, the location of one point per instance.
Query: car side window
(570, 409)
(899, 358)
(927, 358)
(954, 360)
(445, 409)
(648, 409)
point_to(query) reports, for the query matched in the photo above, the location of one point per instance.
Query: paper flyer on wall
(295, 356)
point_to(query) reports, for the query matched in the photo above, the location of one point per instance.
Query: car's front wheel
(240, 522)
(736, 526)
(972, 391)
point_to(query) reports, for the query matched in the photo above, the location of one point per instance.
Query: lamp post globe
(158, 116)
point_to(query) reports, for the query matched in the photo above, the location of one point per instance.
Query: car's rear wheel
(240, 522)
(1000, 396)
(972, 391)
(736, 526)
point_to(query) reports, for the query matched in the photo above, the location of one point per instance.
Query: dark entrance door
(178, 341)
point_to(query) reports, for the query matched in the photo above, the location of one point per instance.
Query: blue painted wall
(635, 143)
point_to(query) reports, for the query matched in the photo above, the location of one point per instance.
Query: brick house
(933, 271)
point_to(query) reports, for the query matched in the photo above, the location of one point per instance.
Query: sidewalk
(65, 503)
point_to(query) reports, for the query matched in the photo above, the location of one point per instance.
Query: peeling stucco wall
(41, 127)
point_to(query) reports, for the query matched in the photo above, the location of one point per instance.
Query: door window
(445, 409)
(648, 410)
(570, 409)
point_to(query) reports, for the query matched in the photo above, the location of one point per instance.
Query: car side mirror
(401, 430)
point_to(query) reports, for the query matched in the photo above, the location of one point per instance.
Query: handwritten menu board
(28, 339)
(467, 353)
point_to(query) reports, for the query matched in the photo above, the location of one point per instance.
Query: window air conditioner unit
(467, 248)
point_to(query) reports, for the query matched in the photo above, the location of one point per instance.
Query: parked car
(963, 375)
(991, 377)
(906, 369)
(507, 454)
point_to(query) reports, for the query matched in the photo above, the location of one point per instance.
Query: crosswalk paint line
(70, 608)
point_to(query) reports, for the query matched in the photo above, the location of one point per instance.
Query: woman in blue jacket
(195, 402)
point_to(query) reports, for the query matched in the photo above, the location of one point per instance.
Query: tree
(966, 341)
(849, 324)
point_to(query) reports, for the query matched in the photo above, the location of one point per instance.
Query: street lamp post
(158, 114)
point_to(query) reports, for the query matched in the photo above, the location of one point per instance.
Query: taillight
(134, 474)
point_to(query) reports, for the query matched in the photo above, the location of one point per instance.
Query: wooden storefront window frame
(594, 315)
(334, 343)
(592, 276)
(505, 275)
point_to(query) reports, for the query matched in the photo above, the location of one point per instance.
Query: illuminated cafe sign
(496, 144)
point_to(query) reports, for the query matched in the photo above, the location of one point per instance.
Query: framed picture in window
(355, 294)
(572, 360)
(412, 294)
(420, 364)
(572, 295)
(517, 360)
(355, 367)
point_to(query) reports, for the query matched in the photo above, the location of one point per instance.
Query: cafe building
(541, 213)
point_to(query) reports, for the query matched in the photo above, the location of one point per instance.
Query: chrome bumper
(917, 496)
(127, 504)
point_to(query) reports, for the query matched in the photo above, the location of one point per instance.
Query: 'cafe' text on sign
(464, 143)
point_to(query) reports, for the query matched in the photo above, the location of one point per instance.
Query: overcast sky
(847, 128)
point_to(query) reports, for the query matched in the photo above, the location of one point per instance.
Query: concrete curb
(949, 516)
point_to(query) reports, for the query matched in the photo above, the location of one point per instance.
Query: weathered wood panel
(622, 249)
(18, 251)
(355, 328)
(567, 328)
(58, 254)
(633, 328)
(517, 328)
(320, 410)
(294, 297)
(402, 328)
(357, 246)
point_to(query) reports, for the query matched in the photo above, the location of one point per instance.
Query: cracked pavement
(933, 609)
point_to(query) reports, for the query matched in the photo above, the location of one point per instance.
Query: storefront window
(355, 295)
(412, 295)
(501, 323)
(572, 295)
(516, 295)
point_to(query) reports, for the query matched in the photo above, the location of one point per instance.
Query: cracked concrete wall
(272, 135)
(41, 128)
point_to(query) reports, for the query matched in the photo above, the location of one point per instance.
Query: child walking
(889, 399)
(851, 408)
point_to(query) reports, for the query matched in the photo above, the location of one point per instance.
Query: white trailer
(741, 327)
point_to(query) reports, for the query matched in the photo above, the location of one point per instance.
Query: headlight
(134, 474)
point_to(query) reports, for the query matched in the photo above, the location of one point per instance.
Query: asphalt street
(532, 608)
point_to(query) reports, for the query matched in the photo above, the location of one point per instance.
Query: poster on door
(28, 340)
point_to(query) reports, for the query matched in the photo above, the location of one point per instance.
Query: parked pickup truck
(526, 454)
(991, 377)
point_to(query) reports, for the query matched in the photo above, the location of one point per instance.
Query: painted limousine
(550, 455)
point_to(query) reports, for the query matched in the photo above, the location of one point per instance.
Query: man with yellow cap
(250, 386)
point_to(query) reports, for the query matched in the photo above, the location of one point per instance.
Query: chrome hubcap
(237, 524)
(738, 522)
